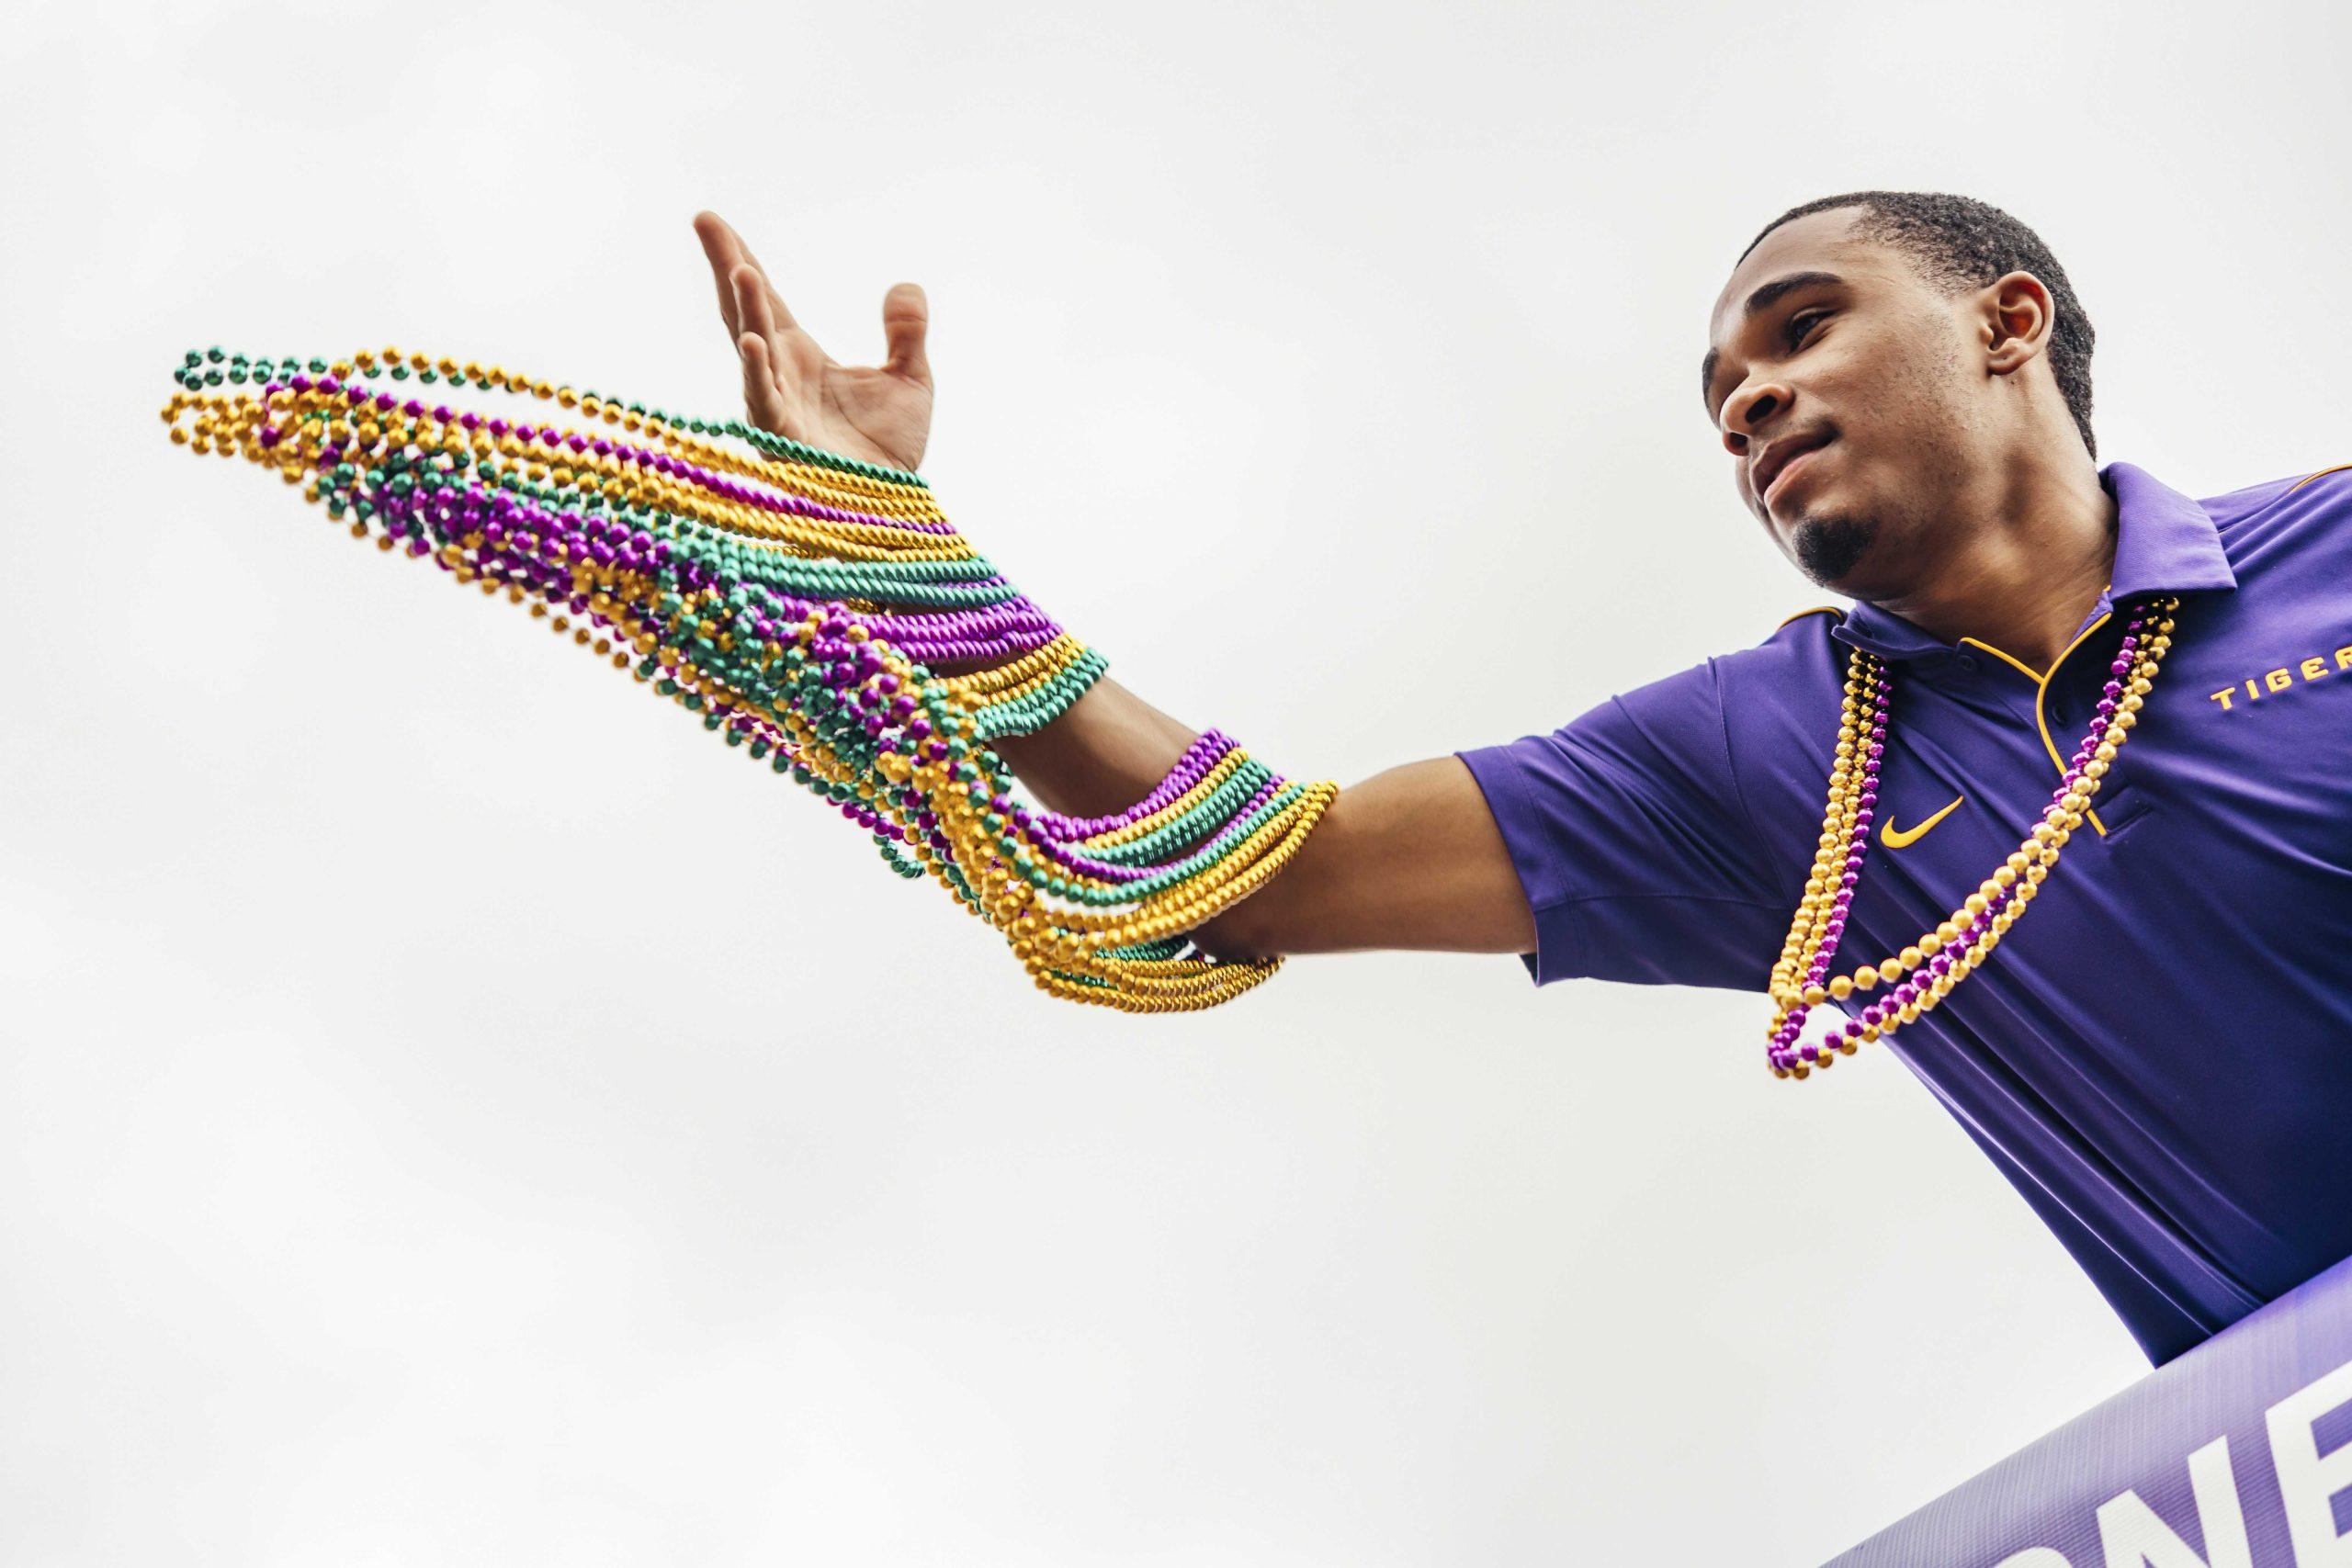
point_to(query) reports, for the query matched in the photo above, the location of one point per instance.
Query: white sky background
(452, 1110)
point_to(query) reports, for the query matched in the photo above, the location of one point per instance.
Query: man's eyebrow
(1763, 298)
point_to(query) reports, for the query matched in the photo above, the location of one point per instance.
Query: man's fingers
(761, 397)
(753, 309)
(906, 319)
(755, 306)
(776, 302)
(761, 309)
(727, 252)
(719, 245)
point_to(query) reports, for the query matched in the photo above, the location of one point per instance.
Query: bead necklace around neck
(1920, 977)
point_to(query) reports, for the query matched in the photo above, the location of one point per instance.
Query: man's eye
(1798, 323)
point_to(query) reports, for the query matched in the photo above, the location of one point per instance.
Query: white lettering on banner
(2307, 1483)
(2135, 1538)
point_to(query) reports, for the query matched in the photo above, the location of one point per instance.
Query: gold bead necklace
(1960, 944)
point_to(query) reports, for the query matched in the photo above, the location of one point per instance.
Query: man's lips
(1795, 465)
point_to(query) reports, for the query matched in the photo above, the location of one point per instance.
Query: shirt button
(1968, 663)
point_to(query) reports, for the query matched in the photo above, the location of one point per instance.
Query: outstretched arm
(1408, 858)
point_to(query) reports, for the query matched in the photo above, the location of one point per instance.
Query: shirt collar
(2165, 542)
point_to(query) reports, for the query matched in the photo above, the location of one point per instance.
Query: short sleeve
(1627, 830)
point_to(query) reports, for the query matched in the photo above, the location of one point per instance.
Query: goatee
(1828, 547)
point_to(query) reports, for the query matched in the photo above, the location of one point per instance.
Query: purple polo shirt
(2159, 1053)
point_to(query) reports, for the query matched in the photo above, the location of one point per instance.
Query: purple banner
(2236, 1455)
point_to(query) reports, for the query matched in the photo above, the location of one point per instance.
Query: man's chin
(1829, 547)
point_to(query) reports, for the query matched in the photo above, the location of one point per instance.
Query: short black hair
(1956, 243)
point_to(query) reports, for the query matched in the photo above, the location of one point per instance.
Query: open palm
(793, 388)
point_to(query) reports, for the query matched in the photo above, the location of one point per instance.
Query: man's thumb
(906, 316)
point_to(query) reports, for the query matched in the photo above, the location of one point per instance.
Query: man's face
(1841, 384)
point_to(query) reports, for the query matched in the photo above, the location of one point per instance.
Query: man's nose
(1746, 411)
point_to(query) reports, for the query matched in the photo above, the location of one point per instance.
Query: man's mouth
(1792, 467)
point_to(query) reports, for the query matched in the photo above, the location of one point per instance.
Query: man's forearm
(1106, 752)
(1101, 755)
(1411, 859)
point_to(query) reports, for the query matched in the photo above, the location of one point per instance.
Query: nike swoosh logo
(1895, 838)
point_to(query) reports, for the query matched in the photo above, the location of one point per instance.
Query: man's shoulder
(1790, 670)
(1831, 613)
(1801, 643)
(2319, 492)
(1798, 654)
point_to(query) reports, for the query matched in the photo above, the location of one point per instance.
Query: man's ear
(2018, 317)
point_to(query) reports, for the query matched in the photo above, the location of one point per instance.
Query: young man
(2159, 1055)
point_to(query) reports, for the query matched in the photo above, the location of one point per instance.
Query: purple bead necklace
(1923, 974)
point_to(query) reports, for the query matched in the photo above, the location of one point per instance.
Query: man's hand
(795, 388)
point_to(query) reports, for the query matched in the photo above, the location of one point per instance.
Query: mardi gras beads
(1961, 943)
(794, 598)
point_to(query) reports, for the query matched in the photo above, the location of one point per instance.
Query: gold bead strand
(1976, 927)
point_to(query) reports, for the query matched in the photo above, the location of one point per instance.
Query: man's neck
(2033, 567)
